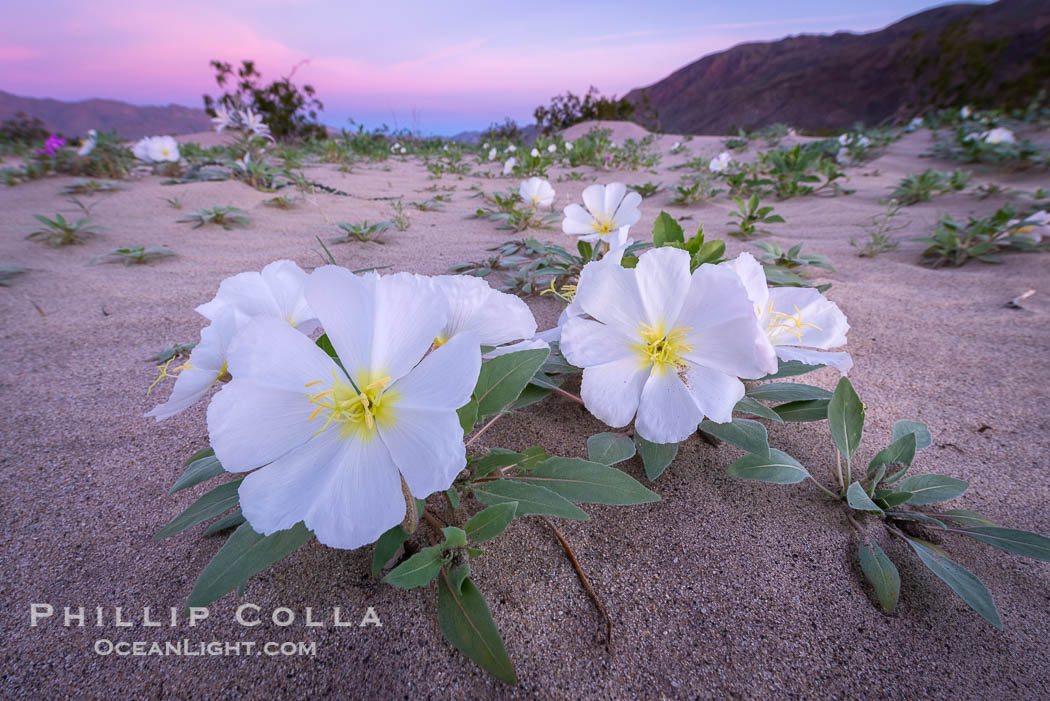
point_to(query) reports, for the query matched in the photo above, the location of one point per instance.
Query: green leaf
(747, 405)
(386, 546)
(901, 450)
(496, 458)
(530, 395)
(468, 415)
(244, 554)
(778, 468)
(609, 448)
(1013, 541)
(503, 378)
(201, 469)
(809, 410)
(922, 434)
(966, 517)
(202, 453)
(858, 499)
(916, 516)
(656, 457)
(465, 620)
(960, 579)
(589, 482)
(790, 368)
(531, 498)
(743, 433)
(846, 418)
(209, 505)
(454, 537)
(881, 573)
(892, 499)
(234, 519)
(787, 392)
(666, 230)
(418, 570)
(489, 523)
(930, 489)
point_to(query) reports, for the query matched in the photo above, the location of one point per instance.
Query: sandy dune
(723, 588)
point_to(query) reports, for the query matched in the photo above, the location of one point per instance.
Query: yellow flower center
(602, 225)
(780, 323)
(356, 412)
(662, 349)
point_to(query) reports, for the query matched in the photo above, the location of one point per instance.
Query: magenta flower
(51, 146)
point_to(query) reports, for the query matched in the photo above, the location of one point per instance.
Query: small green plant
(282, 202)
(9, 272)
(790, 259)
(955, 243)
(750, 215)
(173, 202)
(880, 233)
(226, 217)
(60, 232)
(400, 219)
(83, 186)
(647, 190)
(913, 189)
(692, 190)
(134, 255)
(363, 231)
(509, 210)
(434, 204)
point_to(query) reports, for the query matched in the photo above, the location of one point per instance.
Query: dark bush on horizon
(568, 109)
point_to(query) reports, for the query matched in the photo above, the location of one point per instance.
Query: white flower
(88, 145)
(222, 118)
(512, 148)
(141, 148)
(508, 167)
(485, 145)
(276, 292)
(720, 162)
(863, 141)
(972, 136)
(552, 148)
(1035, 226)
(445, 147)
(568, 145)
(842, 156)
(915, 123)
(999, 135)
(537, 192)
(492, 154)
(675, 146)
(965, 112)
(610, 210)
(206, 365)
(535, 153)
(404, 150)
(793, 320)
(336, 447)
(492, 317)
(163, 149)
(395, 147)
(254, 123)
(662, 343)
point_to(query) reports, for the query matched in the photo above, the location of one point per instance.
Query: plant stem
(483, 429)
(833, 495)
(559, 390)
(583, 580)
(838, 468)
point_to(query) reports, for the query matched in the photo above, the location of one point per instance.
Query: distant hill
(130, 121)
(950, 55)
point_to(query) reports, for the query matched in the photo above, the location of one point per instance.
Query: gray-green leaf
(1011, 540)
(200, 469)
(881, 573)
(531, 498)
(858, 499)
(807, 410)
(489, 523)
(234, 519)
(961, 580)
(503, 378)
(787, 392)
(922, 433)
(743, 433)
(418, 570)
(209, 505)
(930, 489)
(967, 517)
(901, 450)
(846, 418)
(778, 468)
(747, 405)
(465, 620)
(609, 448)
(656, 457)
(589, 482)
(386, 546)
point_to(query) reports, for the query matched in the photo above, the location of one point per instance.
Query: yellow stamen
(566, 294)
(357, 412)
(779, 323)
(661, 349)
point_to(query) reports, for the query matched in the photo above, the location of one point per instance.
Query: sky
(439, 67)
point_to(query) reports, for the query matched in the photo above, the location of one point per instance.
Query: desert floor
(723, 588)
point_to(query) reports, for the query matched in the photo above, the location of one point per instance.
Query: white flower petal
(753, 276)
(825, 324)
(611, 391)
(408, 317)
(627, 213)
(586, 343)
(474, 306)
(663, 280)
(667, 412)
(427, 446)
(344, 304)
(594, 199)
(206, 364)
(838, 360)
(577, 221)
(442, 380)
(531, 344)
(260, 351)
(610, 294)
(716, 393)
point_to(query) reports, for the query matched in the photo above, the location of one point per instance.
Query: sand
(723, 588)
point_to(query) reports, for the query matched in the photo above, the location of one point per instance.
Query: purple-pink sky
(440, 67)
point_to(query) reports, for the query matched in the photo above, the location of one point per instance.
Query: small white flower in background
(535, 153)
(222, 118)
(163, 149)
(512, 148)
(915, 123)
(243, 161)
(537, 192)
(276, 292)
(445, 148)
(395, 147)
(88, 145)
(1035, 226)
(863, 141)
(492, 154)
(568, 145)
(337, 449)
(254, 123)
(552, 148)
(972, 136)
(404, 150)
(792, 132)
(206, 365)
(508, 167)
(664, 344)
(844, 139)
(720, 162)
(842, 156)
(965, 112)
(141, 148)
(794, 319)
(999, 135)
(610, 212)
(485, 145)
(492, 317)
